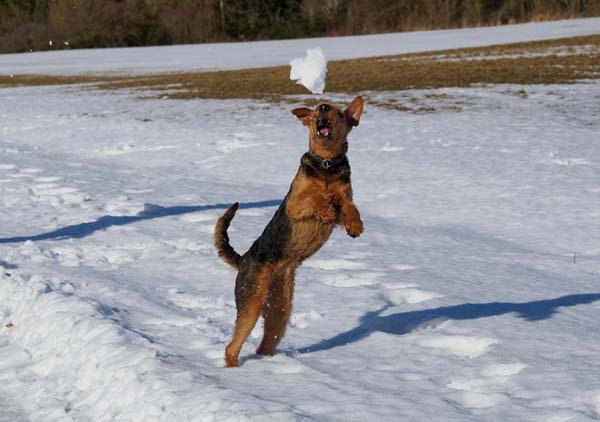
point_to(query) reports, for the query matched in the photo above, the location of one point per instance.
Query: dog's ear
(305, 115)
(354, 111)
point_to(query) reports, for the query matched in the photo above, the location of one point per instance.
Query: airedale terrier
(320, 198)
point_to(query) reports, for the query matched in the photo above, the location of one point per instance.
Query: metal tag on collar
(326, 164)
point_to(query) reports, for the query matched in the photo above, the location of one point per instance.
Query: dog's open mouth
(324, 128)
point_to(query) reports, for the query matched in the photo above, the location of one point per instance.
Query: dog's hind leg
(251, 292)
(277, 310)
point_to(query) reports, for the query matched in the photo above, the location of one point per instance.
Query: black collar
(328, 164)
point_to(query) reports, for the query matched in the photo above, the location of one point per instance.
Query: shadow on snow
(406, 322)
(150, 212)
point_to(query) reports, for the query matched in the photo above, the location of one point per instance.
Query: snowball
(310, 71)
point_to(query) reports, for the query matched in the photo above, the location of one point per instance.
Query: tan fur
(277, 310)
(249, 309)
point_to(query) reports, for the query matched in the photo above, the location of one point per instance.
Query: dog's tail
(225, 250)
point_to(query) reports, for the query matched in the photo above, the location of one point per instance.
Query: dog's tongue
(324, 131)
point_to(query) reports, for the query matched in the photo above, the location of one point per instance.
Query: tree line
(33, 25)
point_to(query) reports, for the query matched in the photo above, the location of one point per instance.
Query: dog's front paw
(354, 228)
(326, 214)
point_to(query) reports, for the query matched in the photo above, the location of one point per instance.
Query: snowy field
(461, 301)
(472, 295)
(273, 53)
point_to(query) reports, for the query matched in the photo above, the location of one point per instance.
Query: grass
(557, 61)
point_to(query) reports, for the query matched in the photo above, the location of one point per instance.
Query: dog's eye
(324, 107)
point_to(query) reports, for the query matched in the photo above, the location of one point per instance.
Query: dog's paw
(354, 228)
(231, 361)
(326, 214)
(231, 358)
(265, 351)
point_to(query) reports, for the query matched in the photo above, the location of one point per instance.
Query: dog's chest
(307, 237)
(310, 233)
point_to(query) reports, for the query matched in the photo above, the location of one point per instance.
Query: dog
(319, 198)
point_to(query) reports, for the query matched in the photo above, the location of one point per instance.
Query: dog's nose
(324, 108)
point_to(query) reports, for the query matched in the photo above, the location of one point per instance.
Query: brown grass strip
(390, 73)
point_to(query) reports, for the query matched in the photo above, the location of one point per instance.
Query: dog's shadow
(149, 212)
(406, 322)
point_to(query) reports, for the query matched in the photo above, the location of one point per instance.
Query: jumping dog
(319, 198)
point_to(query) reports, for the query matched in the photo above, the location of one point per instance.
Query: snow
(219, 56)
(310, 71)
(460, 301)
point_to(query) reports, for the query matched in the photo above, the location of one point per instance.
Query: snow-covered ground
(273, 53)
(463, 299)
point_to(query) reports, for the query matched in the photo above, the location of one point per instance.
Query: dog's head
(329, 126)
